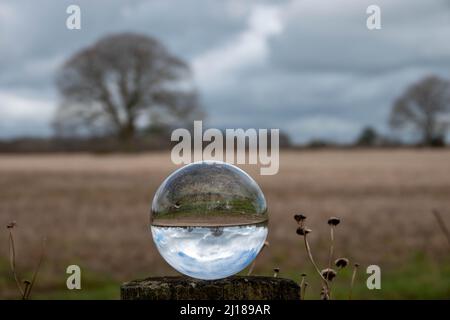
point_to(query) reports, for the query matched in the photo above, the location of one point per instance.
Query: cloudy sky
(309, 67)
(209, 253)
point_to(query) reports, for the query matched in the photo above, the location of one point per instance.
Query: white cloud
(332, 35)
(25, 114)
(20, 107)
(248, 48)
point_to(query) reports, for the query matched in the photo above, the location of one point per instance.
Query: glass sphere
(209, 220)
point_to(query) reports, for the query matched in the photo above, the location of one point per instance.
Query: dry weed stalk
(327, 275)
(441, 224)
(12, 256)
(303, 286)
(250, 271)
(303, 293)
(24, 286)
(332, 222)
(304, 232)
(352, 283)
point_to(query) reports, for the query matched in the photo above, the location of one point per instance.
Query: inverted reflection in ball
(209, 220)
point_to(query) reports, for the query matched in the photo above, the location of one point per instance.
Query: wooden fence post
(232, 288)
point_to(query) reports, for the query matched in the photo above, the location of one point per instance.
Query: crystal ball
(209, 220)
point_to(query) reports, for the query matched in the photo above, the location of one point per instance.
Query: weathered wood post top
(232, 288)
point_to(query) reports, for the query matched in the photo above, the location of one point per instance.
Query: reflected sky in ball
(210, 252)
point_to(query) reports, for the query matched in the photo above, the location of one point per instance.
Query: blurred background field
(94, 211)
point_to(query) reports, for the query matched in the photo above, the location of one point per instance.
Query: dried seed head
(356, 265)
(26, 282)
(303, 277)
(328, 274)
(341, 263)
(11, 225)
(299, 217)
(333, 221)
(275, 272)
(303, 231)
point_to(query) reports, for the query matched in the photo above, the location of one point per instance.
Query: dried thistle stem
(330, 258)
(250, 271)
(36, 271)
(27, 288)
(441, 224)
(24, 290)
(252, 266)
(308, 250)
(302, 283)
(12, 261)
(303, 293)
(352, 283)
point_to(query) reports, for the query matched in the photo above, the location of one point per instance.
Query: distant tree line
(128, 92)
(422, 110)
(129, 86)
(425, 109)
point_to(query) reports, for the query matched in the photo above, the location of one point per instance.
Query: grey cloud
(323, 64)
(333, 36)
(36, 34)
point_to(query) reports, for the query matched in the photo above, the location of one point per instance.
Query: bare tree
(121, 82)
(425, 108)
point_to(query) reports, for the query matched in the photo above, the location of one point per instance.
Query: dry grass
(93, 210)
